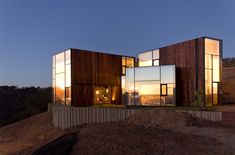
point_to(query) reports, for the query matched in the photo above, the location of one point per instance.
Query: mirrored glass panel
(211, 46)
(170, 98)
(142, 85)
(60, 63)
(60, 88)
(123, 84)
(53, 61)
(68, 95)
(208, 61)
(215, 93)
(156, 62)
(156, 54)
(168, 74)
(147, 73)
(145, 59)
(208, 86)
(53, 73)
(163, 89)
(147, 93)
(68, 76)
(216, 69)
(68, 56)
(129, 95)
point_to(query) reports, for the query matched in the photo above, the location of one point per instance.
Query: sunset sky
(31, 31)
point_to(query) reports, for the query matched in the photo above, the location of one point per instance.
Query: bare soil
(147, 132)
(28, 134)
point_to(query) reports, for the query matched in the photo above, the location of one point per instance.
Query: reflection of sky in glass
(68, 76)
(60, 62)
(148, 87)
(168, 74)
(145, 59)
(68, 56)
(123, 81)
(156, 54)
(147, 73)
(129, 80)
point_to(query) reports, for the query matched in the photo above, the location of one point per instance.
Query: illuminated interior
(61, 78)
(102, 95)
(143, 86)
(212, 71)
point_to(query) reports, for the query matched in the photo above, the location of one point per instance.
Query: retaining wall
(66, 116)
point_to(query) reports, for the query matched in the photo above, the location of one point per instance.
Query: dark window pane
(163, 89)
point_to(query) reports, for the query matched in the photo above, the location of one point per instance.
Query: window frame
(161, 94)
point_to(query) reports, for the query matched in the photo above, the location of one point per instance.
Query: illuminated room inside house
(166, 76)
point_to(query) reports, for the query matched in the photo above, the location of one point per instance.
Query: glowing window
(123, 61)
(208, 61)
(123, 70)
(130, 62)
(156, 62)
(211, 46)
(60, 85)
(216, 69)
(163, 89)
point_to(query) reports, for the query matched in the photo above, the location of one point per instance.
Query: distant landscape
(228, 80)
(19, 103)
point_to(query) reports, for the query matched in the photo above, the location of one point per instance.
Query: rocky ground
(147, 132)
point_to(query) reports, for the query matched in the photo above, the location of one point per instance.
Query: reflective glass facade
(144, 85)
(150, 58)
(61, 78)
(212, 71)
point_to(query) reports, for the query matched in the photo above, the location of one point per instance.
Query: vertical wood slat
(187, 56)
(66, 117)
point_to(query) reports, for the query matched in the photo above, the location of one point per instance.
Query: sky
(31, 31)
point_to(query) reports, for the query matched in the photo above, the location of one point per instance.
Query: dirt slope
(147, 132)
(24, 134)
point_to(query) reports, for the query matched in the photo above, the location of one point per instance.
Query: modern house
(166, 76)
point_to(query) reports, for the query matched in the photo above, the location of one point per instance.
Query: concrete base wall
(66, 116)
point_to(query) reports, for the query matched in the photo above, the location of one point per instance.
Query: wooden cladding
(188, 57)
(90, 69)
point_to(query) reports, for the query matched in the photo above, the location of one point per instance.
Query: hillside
(228, 80)
(19, 103)
(143, 133)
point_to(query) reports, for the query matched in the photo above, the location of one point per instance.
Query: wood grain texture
(189, 60)
(90, 69)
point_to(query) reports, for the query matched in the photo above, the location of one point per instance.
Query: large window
(150, 58)
(127, 62)
(145, 59)
(61, 78)
(212, 71)
(153, 85)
